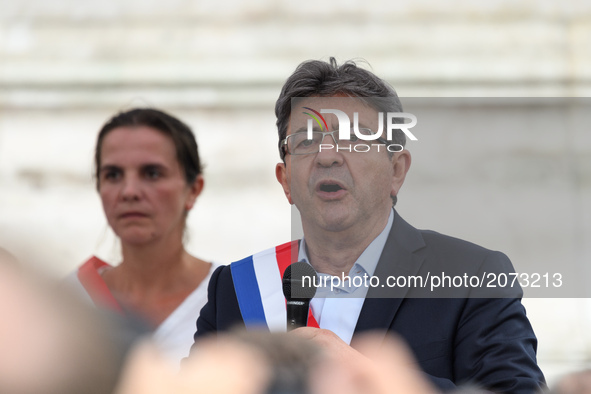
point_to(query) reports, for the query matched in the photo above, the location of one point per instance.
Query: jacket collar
(403, 254)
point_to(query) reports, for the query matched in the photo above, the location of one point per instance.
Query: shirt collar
(368, 260)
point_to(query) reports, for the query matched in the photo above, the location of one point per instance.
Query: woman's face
(143, 187)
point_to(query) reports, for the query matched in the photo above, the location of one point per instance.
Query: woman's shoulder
(89, 283)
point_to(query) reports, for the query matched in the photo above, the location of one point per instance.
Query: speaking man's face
(337, 189)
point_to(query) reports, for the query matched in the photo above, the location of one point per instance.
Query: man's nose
(328, 154)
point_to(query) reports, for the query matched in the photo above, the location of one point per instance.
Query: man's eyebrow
(305, 129)
(361, 126)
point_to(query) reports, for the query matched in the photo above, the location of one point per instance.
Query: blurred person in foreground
(53, 344)
(149, 175)
(240, 362)
(346, 199)
(574, 383)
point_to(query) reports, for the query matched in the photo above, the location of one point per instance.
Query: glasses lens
(364, 131)
(300, 144)
(352, 137)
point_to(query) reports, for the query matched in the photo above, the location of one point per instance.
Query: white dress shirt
(338, 310)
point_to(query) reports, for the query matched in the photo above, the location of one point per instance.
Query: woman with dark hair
(148, 175)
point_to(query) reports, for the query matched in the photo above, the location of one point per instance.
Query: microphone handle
(297, 313)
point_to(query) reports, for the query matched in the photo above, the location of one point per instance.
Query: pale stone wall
(66, 66)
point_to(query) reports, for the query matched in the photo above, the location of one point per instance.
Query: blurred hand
(574, 383)
(328, 341)
(220, 367)
(375, 366)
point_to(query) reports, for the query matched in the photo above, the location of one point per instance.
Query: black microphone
(299, 280)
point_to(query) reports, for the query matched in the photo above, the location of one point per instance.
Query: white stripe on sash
(270, 287)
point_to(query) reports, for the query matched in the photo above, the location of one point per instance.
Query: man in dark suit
(344, 177)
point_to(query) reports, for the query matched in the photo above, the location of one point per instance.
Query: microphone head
(299, 281)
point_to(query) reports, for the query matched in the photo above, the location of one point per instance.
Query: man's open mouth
(330, 187)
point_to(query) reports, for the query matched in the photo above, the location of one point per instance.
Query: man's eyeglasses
(299, 144)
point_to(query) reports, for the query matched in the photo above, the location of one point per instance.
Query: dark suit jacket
(461, 340)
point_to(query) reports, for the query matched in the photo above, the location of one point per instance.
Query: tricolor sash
(92, 281)
(259, 290)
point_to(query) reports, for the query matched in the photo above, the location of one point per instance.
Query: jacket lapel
(403, 254)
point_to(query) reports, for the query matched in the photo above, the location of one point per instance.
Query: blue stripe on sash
(248, 295)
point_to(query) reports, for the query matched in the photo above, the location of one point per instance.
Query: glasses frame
(324, 134)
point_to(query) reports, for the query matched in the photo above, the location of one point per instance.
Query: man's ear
(401, 164)
(195, 190)
(284, 179)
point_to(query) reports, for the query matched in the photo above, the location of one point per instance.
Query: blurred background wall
(68, 65)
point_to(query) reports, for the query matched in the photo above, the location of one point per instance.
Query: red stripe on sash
(92, 281)
(286, 254)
